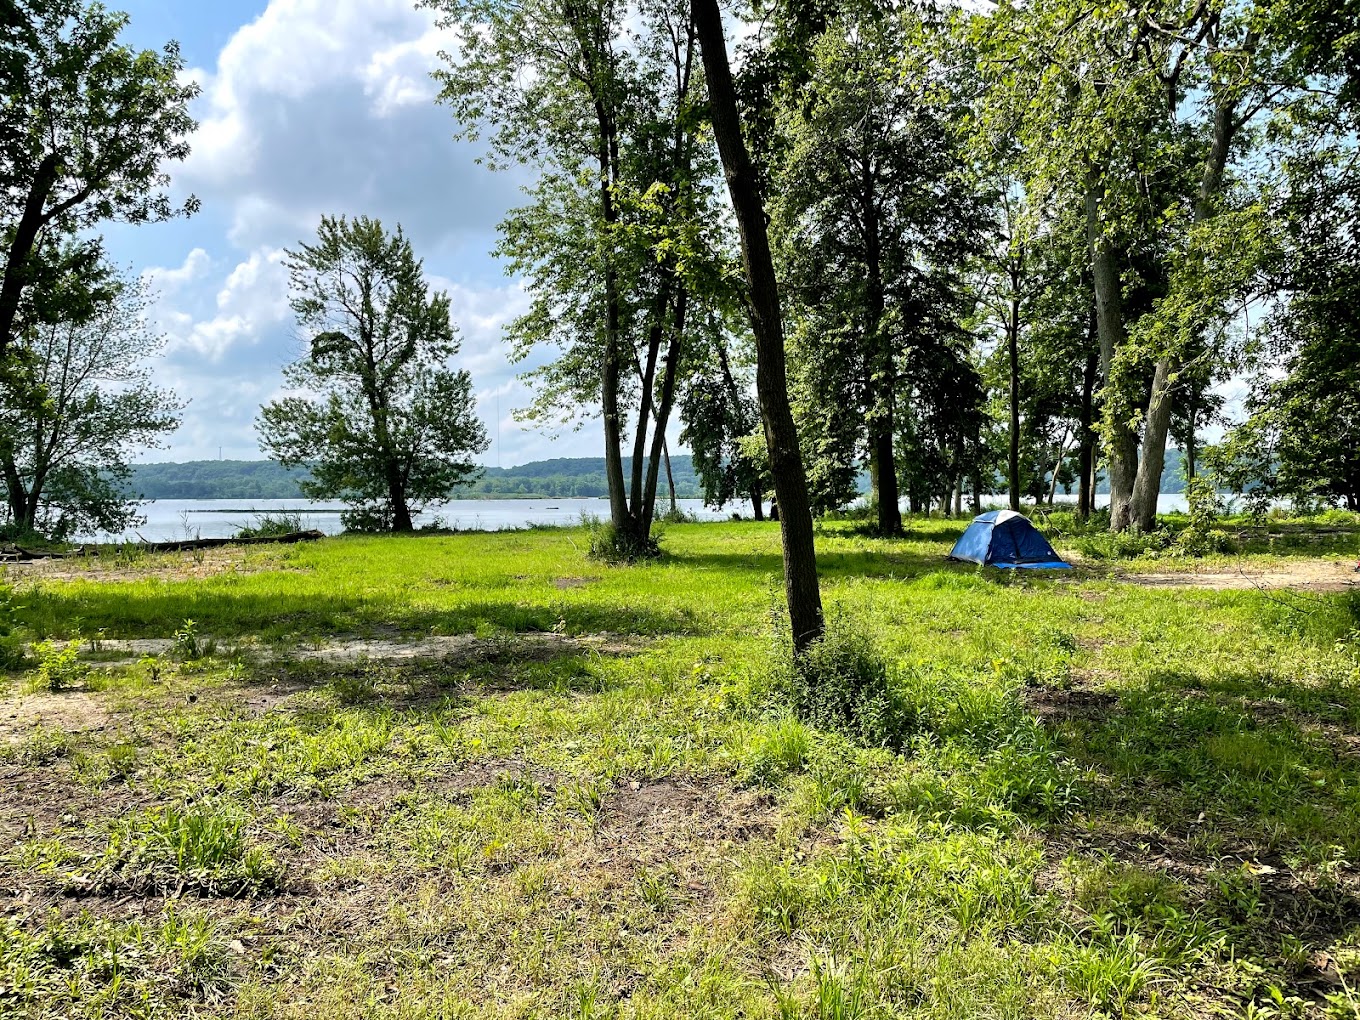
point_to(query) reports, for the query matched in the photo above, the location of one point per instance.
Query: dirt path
(1305, 574)
(430, 648)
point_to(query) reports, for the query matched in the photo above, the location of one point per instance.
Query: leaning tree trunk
(663, 413)
(1123, 443)
(670, 479)
(1158, 417)
(31, 221)
(781, 436)
(1013, 348)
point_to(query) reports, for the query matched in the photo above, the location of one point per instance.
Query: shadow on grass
(54, 611)
(1237, 786)
(493, 667)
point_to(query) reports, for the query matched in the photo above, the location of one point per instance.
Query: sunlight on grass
(1104, 799)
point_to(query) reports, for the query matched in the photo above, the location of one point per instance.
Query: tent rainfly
(1004, 538)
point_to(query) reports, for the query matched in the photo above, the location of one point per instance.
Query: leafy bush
(842, 684)
(12, 652)
(272, 525)
(1200, 536)
(189, 645)
(59, 667)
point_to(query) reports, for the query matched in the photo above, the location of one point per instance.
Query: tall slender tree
(801, 587)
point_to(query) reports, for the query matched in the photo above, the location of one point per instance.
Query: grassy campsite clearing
(481, 775)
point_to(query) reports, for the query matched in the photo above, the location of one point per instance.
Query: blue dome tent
(1004, 538)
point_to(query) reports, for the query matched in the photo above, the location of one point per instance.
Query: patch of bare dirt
(71, 712)
(1304, 574)
(356, 811)
(564, 583)
(37, 800)
(678, 824)
(433, 648)
(464, 647)
(177, 566)
(1054, 703)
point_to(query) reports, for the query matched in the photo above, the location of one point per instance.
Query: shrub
(59, 667)
(12, 652)
(842, 684)
(1125, 545)
(1199, 536)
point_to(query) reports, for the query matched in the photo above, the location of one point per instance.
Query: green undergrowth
(1005, 796)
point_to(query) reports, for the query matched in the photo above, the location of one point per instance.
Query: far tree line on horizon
(962, 251)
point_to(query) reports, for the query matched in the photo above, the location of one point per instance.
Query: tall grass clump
(271, 525)
(842, 684)
(609, 544)
(205, 846)
(12, 652)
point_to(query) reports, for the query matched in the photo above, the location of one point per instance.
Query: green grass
(1102, 799)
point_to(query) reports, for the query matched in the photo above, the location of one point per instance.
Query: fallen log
(14, 553)
(190, 544)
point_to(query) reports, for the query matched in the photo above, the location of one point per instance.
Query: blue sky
(312, 107)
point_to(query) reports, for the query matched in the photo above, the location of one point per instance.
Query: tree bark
(670, 478)
(20, 507)
(21, 247)
(611, 370)
(1190, 443)
(883, 388)
(1013, 348)
(1123, 444)
(1057, 466)
(663, 413)
(1158, 418)
(1086, 458)
(781, 437)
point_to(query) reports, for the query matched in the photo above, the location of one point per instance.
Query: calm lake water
(170, 519)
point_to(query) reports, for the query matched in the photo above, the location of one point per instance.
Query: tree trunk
(977, 490)
(21, 247)
(611, 370)
(670, 478)
(1057, 466)
(1013, 348)
(781, 437)
(1158, 418)
(1086, 457)
(1123, 444)
(663, 414)
(1190, 443)
(872, 467)
(758, 504)
(884, 387)
(643, 494)
(20, 506)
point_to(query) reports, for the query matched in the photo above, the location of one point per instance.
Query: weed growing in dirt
(59, 666)
(202, 846)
